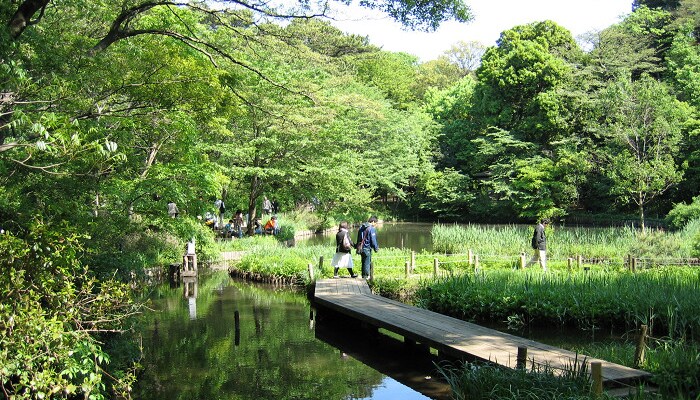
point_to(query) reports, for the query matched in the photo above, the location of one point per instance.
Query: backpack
(358, 245)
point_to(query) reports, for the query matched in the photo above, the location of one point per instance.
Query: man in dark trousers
(539, 245)
(366, 242)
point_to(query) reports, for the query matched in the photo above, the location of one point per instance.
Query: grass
(664, 299)
(476, 381)
(597, 244)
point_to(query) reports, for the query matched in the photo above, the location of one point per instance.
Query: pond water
(403, 235)
(194, 351)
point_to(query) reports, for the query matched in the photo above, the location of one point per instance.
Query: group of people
(236, 226)
(364, 245)
(367, 242)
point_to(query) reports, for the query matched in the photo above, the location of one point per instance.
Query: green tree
(519, 81)
(642, 122)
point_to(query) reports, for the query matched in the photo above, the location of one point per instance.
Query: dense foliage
(109, 111)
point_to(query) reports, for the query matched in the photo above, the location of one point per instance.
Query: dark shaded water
(193, 350)
(403, 235)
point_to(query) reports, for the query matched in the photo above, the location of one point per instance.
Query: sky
(491, 17)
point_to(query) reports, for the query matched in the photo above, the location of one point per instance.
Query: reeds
(664, 299)
(562, 242)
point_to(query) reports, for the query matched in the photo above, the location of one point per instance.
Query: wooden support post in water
(436, 263)
(641, 346)
(311, 272)
(523, 260)
(522, 358)
(237, 328)
(408, 268)
(413, 260)
(597, 376)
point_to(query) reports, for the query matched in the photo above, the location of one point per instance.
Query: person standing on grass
(366, 242)
(539, 245)
(343, 251)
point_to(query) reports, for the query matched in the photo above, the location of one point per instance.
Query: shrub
(683, 213)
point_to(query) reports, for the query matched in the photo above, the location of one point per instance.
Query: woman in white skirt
(343, 251)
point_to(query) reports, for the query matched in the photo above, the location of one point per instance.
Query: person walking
(266, 205)
(238, 224)
(366, 242)
(343, 251)
(172, 209)
(220, 210)
(539, 245)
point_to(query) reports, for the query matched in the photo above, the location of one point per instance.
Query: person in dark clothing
(539, 245)
(366, 242)
(343, 251)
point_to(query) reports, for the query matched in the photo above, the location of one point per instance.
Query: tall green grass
(562, 242)
(476, 381)
(665, 299)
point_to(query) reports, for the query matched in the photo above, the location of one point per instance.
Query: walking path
(452, 336)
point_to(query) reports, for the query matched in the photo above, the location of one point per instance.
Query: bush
(683, 213)
(50, 309)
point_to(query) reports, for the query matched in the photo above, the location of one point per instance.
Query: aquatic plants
(563, 242)
(665, 299)
(476, 381)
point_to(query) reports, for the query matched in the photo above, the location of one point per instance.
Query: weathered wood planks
(452, 336)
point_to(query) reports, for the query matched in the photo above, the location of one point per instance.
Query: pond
(403, 235)
(192, 349)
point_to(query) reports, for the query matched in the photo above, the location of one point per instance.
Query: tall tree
(642, 122)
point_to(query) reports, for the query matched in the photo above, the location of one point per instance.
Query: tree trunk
(252, 201)
(22, 17)
(641, 217)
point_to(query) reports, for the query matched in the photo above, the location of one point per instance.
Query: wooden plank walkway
(452, 336)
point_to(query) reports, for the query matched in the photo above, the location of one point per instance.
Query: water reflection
(189, 291)
(248, 341)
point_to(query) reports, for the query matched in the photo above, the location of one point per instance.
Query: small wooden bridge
(459, 339)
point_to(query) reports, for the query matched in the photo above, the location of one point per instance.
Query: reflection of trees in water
(278, 356)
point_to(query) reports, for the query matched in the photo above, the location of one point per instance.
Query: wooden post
(311, 272)
(408, 268)
(413, 260)
(435, 267)
(237, 328)
(629, 262)
(641, 346)
(579, 261)
(522, 358)
(569, 263)
(320, 263)
(597, 376)
(470, 256)
(634, 264)
(523, 260)
(476, 262)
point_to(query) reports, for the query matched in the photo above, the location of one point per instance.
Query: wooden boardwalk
(451, 336)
